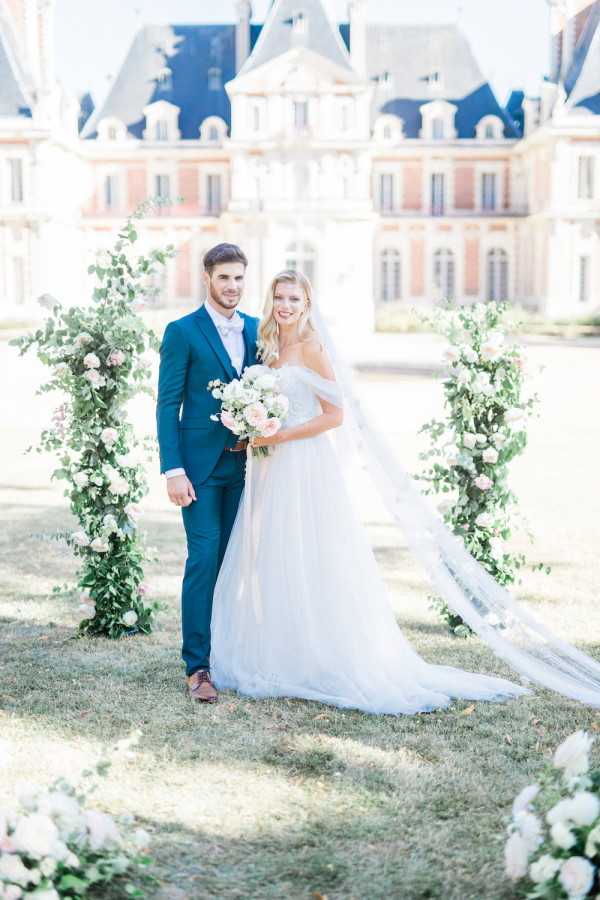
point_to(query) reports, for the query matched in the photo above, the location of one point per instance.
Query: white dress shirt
(231, 333)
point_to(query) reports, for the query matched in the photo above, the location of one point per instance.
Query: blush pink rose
(228, 421)
(256, 415)
(270, 427)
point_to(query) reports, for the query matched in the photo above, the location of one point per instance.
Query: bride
(300, 608)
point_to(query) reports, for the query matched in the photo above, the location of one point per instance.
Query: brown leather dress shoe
(201, 688)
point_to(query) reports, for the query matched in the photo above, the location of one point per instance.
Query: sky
(509, 37)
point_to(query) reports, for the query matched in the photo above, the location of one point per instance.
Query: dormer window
(161, 130)
(300, 24)
(438, 121)
(111, 129)
(388, 129)
(215, 80)
(490, 128)
(213, 130)
(161, 121)
(438, 129)
(165, 78)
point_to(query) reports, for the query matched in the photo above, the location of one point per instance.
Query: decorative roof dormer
(489, 128)
(438, 121)
(111, 129)
(162, 120)
(213, 130)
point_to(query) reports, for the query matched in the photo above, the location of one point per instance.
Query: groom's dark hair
(223, 253)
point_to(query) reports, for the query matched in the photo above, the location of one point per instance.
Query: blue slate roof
(174, 63)
(12, 99)
(582, 82)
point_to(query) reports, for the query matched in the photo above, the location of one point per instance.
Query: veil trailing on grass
(469, 590)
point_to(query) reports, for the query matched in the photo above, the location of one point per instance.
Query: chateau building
(376, 158)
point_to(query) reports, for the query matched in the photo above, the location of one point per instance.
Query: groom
(203, 462)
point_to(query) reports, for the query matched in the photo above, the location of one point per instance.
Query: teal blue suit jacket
(192, 354)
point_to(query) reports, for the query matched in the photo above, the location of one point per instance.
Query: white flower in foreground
(109, 436)
(99, 545)
(94, 378)
(60, 807)
(102, 830)
(530, 829)
(481, 439)
(584, 808)
(12, 869)
(12, 892)
(253, 372)
(91, 361)
(577, 876)
(483, 482)
(486, 520)
(499, 439)
(469, 354)
(515, 857)
(562, 836)
(450, 355)
(129, 618)
(490, 455)
(572, 756)
(81, 479)
(80, 538)
(469, 440)
(544, 868)
(83, 339)
(561, 812)
(36, 835)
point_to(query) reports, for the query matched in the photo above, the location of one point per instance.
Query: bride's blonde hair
(268, 330)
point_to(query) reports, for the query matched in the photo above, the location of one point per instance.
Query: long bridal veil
(490, 610)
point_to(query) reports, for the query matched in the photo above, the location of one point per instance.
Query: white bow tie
(235, 326)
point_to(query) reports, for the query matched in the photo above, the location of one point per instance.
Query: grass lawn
(291, 799)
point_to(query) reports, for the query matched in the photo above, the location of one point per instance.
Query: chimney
(242, 33)
(357, 13)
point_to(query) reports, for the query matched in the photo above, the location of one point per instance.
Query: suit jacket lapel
(213, 337)
(249, 340)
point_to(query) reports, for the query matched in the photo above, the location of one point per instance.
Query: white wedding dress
(300, 607)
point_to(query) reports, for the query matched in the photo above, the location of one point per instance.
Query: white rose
(99, 545)
(91, 361)
(119, 486)
(577, 876)
(266, 382)
(80, 538)
(48, 866)
(499, 439)
(469, 354)
(82, 339)
(515, 857)
(469, 440)
(562, 836)
(81, 479)
(102, 830)
(35, 835)
(544, 868)
(483, 482)
(94, 377)
(560, 812)
(12, 892)
(490, 455)
(573, 754)
(60, 806)
(86, 611)
(108, 436)
(584, 808)
(129, 618)
(12, 869)
(450, 355)
(481, 439)
(253, 372)
(485, 520)
(482, 383)
(530, 829)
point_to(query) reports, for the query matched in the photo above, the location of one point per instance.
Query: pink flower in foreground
(270, 427)
(256, 414)
(228, 421)
(483, 482)
(115, 358)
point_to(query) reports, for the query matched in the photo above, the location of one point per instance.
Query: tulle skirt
(301, 609)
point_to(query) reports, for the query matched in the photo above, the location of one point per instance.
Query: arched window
(490, 132)
(438, 130)
(444, 274)
(497, 274)
(302, 257)
(391, 275)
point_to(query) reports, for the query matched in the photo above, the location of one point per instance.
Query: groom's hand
(180, 490)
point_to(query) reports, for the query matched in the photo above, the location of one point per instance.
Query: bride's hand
(267, 441)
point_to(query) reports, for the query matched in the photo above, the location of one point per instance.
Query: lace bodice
(304, 403)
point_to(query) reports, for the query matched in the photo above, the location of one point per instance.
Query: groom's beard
(225, 303)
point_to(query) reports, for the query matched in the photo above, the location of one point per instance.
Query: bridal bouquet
(554, 835)
(55, 845)
(251, 406)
